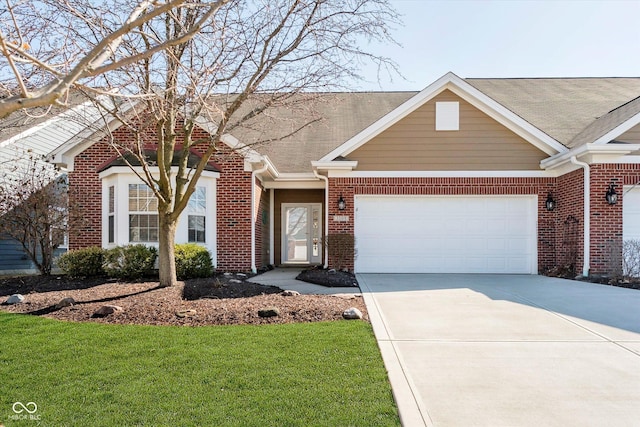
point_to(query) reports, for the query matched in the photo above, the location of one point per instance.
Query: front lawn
(84, 374)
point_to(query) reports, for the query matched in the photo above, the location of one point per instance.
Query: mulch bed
(222, 300)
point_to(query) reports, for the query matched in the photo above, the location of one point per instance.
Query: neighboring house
(23, 137)
(455, 178)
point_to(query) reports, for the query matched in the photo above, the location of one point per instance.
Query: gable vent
(447, 116)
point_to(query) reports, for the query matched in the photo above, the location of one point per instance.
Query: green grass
(85, 374)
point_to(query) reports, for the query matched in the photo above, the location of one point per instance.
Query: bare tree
(51, 46)
(252, 69)
(34, 208)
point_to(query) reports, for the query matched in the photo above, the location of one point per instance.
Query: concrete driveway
(507, 350)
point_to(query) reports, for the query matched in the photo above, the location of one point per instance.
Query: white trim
(272, 212)
(618, 130)
(294, 184)
(443, 174)
(614, 151)
(116, 170)
(586, 247)
(254, 215)
(467, 92)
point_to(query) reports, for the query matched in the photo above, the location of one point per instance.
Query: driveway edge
(402, 389)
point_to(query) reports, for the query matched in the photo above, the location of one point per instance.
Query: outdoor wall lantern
(550, 203)
(342, 205)
(612, 196)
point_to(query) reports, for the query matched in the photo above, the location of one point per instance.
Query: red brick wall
(233, 214)
(86, 194)
(233, 202)
(348, 187)
(569, 222)
(606, 220)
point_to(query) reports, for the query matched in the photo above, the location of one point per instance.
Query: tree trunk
(166, 256)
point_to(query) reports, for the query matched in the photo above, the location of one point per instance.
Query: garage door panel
(441, 234)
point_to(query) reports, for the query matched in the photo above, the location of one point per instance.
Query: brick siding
(349, 187)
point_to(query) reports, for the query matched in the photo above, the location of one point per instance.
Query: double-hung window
(143, 214)
(197, 210)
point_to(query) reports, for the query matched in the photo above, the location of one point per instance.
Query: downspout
(326, 212)
(264, 168)
(587, 215)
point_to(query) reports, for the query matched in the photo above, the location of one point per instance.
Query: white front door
(301, 233)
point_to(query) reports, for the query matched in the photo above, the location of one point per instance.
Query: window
(447, 116)
(143, 226)
(197, 209)
(111, 218)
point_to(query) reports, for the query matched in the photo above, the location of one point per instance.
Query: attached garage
(446, 234)
(631, 213)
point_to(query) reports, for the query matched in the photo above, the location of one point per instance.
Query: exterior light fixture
(612, 196)
(550, 203)
(342, 205)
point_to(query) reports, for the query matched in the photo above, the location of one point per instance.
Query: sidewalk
(285, 278)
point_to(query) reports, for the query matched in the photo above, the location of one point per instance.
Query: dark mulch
(330, 278)
(224, 287)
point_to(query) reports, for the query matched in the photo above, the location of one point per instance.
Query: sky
(509, 38)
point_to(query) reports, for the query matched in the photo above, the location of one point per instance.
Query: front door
(301, 233)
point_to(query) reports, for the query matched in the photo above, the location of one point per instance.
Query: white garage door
(631, 213)
(446, 234)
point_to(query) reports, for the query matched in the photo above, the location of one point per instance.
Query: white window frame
(120, 177)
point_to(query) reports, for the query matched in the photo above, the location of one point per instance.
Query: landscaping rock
(352, 313)
(186, 313)
(106, 310)
(65, 302)
(269, 312)
(228, 274)
(235, 281)
(14, 299)
(289, 293)
(241, 275)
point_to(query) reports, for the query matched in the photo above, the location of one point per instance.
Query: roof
(152, 158)
(560, 107)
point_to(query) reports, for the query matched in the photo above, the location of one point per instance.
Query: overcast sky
(544, 38)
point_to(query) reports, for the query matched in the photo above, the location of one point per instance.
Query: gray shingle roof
(560, 107)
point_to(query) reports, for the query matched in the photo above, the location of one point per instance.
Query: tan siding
(480, 144)
(631, 136)
(290, 196)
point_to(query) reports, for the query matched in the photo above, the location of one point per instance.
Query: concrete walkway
(506, 350)
(285, 278)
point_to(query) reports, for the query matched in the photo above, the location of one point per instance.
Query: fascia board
(586, 150)
(124, 170)
(618, 130)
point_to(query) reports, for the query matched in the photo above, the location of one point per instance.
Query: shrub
(192, 260)
(631, 258)
(82, 262)
(341, 249)
(130, 262)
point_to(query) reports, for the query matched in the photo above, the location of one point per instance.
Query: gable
(481, 143)
(632, 136)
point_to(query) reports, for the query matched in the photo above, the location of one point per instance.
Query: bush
(192, 260)
(341, 249)
(130, 262)
(631, 258)
(82, 262)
